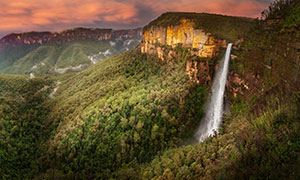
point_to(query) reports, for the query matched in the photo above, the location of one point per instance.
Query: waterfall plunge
(214, 111)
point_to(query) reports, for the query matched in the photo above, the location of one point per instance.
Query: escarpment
(39, 38)
(184, 42)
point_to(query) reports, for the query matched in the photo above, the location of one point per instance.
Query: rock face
(32, 38)
(165, 41)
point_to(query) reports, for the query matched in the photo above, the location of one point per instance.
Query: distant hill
(38, 53)
(134, 116)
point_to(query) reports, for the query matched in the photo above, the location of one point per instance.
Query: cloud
(249, 8)
(30, 14)
(56, 15)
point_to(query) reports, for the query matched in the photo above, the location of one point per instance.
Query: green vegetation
(279, 9)
(260, 138)
(131, 116)
(274, 56)
(248, 148)
(135, 107)
(22, 127)
(49, 58)
(40, 61)
(220, 26)
(10, 55)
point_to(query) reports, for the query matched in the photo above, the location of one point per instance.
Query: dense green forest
(260, 138)
(21, 123)
(135, 106)
(48, 58)
(133, 116)
(53, 58)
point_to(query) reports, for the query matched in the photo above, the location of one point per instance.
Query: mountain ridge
(132, 116)
(75, 49)
(69, 35)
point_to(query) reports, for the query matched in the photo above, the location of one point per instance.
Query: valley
(126, 105)
(42, 53)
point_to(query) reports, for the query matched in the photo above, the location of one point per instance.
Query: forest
(133, 116)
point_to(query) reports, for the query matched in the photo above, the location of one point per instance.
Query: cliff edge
(190, 37)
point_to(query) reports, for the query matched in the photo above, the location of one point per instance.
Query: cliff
(168, 42)
(132, 116)
(195, 38)
(201, 44)
(39, 38)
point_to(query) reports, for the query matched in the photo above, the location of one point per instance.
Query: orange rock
(164, 41)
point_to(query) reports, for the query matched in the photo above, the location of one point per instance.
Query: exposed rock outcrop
(165, 41)
(32, 38)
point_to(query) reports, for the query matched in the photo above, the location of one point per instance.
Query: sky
(57, 15)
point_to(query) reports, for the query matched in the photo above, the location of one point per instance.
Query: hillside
(125, 103)
(260, 137)
(22, 126)
(133, 116)
(40, 53)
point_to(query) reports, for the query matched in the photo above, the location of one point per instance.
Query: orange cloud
(20, 15)
(16, 11)
(35, 13)
(249, 8)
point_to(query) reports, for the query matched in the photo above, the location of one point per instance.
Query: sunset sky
(57, 15)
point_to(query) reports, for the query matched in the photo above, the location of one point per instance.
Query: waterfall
(214, 109)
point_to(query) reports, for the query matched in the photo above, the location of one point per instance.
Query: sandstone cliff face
(32, 38)
(163, 42)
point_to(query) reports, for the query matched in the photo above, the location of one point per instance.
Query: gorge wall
(39, 38)
(175, 41)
